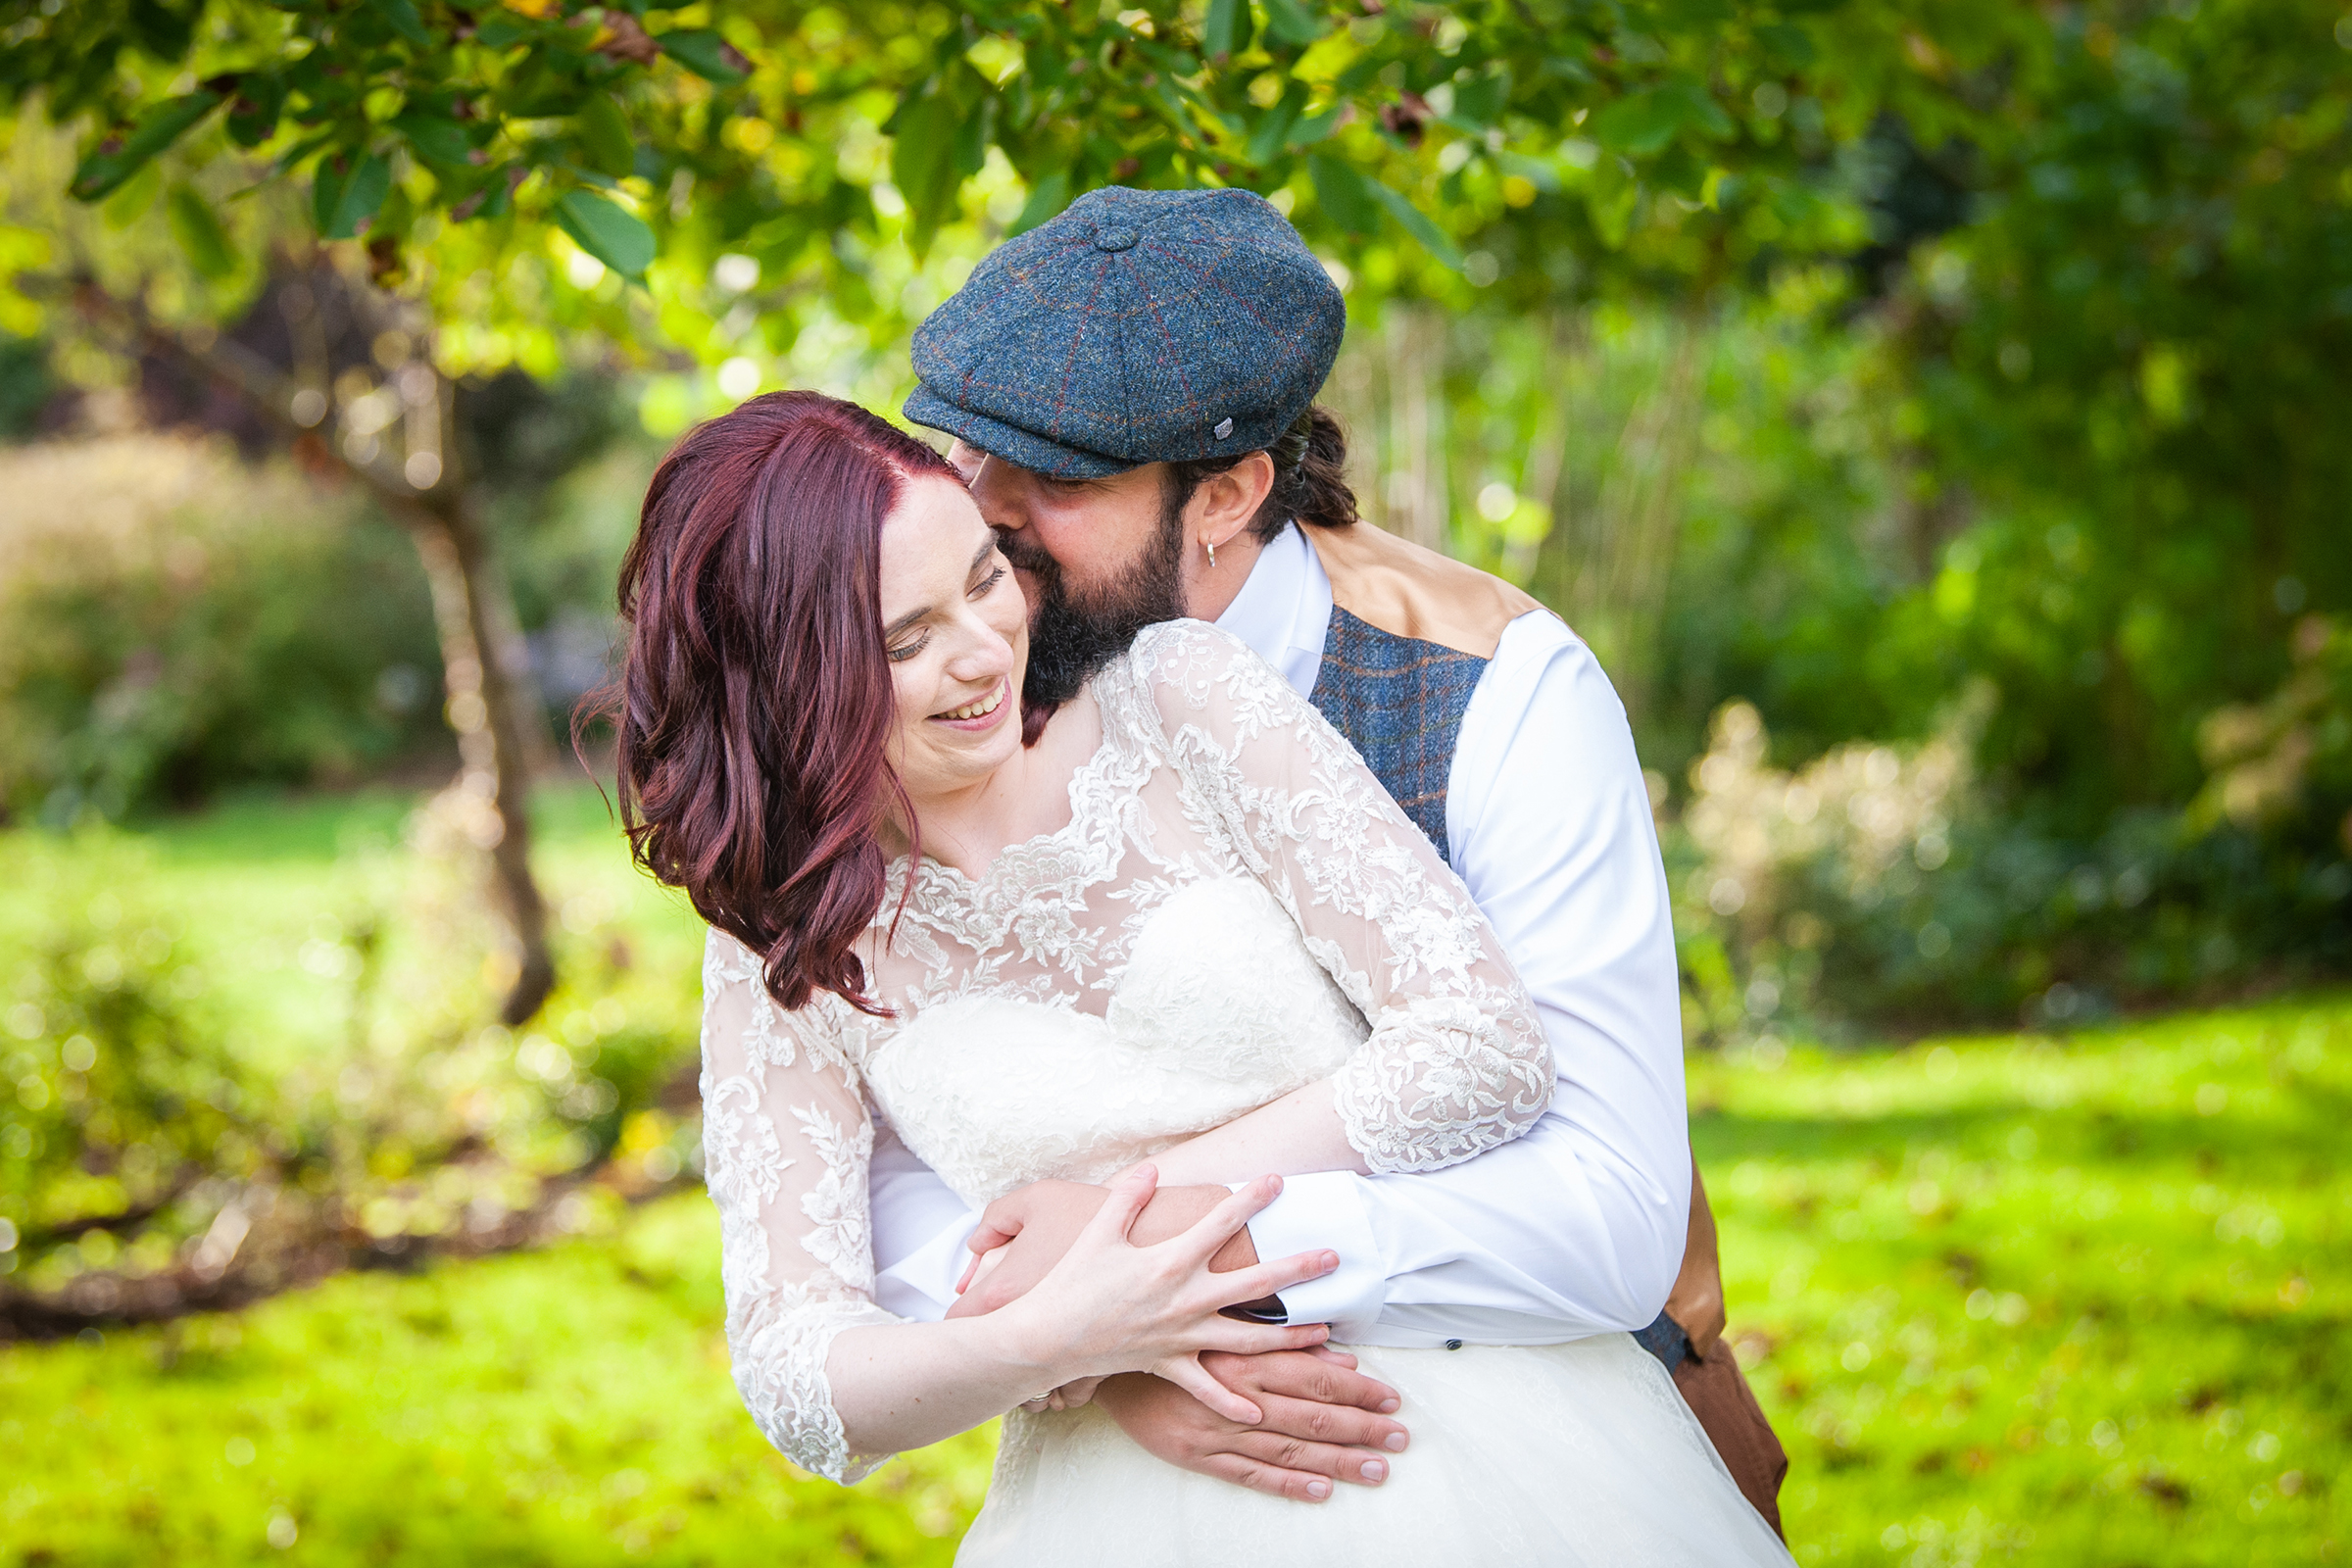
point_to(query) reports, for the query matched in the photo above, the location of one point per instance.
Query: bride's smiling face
(955, 629)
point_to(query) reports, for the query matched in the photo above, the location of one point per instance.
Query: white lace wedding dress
(1235, 909)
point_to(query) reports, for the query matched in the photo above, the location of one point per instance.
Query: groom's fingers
(1321, 1376)
(1297, 1485)
(1357, 1467)
(1328, 1425)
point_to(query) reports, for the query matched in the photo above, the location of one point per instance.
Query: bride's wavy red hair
(755, 702)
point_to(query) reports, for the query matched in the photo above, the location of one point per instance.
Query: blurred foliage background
(1927, 409)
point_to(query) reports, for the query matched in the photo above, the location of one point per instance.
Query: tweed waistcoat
(1412, 632)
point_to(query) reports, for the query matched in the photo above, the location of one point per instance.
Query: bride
(1172, 931)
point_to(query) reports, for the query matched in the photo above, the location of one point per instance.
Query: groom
(1131, 392)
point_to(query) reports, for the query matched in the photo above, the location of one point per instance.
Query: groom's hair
(753, 704)
(1311, 477)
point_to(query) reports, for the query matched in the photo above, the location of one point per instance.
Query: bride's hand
(1109, 1305)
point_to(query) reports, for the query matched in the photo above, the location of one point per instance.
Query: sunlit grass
(569, 1407)
(2056, 1302)
(2008, 1299)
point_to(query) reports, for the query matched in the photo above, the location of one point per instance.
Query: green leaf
(503, 31)
(1345, 195)
(401, 16)
(104, 170)
(1478, 101)
(703, 52)
(1639, 123)
(605, 137)
(163, 32)
(1289, 21)
(1228, 27)
(361, 193)
(1791, 46)
(327, 192)
(128, 203)
(1046, 198)
(1418, 224)
(1316, 127)
(200, 234)
(1273, 129)
(618, 238)
(974, 130)
(922, 153)
(253, 113)
(498, 190)
(437, 138)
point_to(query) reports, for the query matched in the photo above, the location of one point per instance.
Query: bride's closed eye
(979, 590)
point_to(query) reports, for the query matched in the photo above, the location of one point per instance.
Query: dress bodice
(1220, 1009)
(1234, 909)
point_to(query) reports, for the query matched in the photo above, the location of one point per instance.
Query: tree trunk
(492, 720)
(493, 703)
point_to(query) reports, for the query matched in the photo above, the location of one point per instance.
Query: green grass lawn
(570, 1406)
(2074, 1301)
(2009, 1299)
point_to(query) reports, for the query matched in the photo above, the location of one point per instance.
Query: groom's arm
(1579, 1227)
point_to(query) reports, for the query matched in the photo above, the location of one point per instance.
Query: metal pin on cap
(1224, 428)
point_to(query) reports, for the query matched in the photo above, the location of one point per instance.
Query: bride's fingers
(1262, 1280)
(1215, 1228)
(1185, 1372)
(1070, 1395)
(972, 1269)
(991, 1233)
(1128, 1196)
(1238, 1338)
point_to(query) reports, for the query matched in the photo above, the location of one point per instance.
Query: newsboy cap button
(1114, 239)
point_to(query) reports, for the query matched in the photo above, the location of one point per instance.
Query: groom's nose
(995, 490)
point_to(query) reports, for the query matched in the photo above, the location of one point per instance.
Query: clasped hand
(1112, 1305)
(1311, 1418)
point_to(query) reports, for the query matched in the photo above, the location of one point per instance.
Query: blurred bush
(1888, 882)
(174, 621)
(151, 1159)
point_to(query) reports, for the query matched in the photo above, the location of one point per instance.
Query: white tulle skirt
(1579, 1454)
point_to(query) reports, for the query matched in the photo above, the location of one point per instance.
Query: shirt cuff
(921, 1285)
(1326, 1211)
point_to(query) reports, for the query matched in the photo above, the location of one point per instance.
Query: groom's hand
(1324, 1422)
(1697, 1302)
(1028, 1230)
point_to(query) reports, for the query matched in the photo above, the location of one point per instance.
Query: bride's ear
(1226, 503)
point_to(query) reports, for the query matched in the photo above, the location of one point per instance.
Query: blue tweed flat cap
(1139, 326)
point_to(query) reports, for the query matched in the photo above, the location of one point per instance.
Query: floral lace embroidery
(1215, 785)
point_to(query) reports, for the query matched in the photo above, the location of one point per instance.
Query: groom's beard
(1072, 634)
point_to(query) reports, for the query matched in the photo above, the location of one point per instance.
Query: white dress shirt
(1576, 1228)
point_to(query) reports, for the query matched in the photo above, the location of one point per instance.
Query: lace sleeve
(785, 1143)
(1457, 1063)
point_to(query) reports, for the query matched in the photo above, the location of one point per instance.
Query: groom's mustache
(1026, 555)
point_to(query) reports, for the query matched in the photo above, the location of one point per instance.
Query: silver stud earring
(1212, 553)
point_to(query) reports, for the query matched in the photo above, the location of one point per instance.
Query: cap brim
(1014, 445)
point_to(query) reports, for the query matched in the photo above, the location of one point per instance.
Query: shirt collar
(1283, 608)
